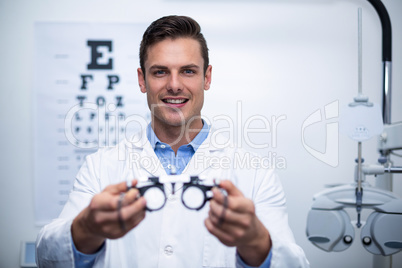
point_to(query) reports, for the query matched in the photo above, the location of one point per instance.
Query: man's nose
(174, 83)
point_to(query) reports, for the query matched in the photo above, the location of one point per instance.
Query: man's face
(175, 81)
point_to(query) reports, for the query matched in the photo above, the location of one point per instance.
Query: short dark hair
(172, 27)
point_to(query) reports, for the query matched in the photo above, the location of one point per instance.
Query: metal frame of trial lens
(194, 182)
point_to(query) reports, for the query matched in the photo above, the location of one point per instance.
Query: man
(105, 224)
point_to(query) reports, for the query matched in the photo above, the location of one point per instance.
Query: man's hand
(100, 220)
(236, 224)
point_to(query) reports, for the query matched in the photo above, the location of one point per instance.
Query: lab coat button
(168, 250)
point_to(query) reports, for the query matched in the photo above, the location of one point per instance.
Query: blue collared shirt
(171, 162)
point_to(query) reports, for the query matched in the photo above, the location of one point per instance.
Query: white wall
(288, 57)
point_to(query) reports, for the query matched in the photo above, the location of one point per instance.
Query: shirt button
(168, 250)
(163, 146)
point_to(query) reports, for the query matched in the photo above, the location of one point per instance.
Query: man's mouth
(175, 101)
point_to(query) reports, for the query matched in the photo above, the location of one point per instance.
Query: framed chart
(85, 87)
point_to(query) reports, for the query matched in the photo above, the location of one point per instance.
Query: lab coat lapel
(199, 162)
(150, 162)
(203, 157)
(142, 156)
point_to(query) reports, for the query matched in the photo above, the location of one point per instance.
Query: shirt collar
(201, 136)
(195, 143)
(153, 139)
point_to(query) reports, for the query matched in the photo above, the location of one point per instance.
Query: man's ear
(208, 76)
(141, 80)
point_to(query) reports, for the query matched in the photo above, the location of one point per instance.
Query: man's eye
(188, 71)
(159, 72)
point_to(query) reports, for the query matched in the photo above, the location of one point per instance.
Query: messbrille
(195, 191)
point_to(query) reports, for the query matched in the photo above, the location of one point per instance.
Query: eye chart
(85, 88)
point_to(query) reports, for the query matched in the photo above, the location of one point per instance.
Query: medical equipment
(196, 191)
(328, 224)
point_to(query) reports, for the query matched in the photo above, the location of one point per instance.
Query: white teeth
(175, 101)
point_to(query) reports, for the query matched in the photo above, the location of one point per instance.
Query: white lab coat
(174, 236)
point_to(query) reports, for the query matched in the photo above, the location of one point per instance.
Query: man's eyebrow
(162, 67)
(157, 67)
(190, 66)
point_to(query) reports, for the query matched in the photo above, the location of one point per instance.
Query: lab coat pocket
(216, 254)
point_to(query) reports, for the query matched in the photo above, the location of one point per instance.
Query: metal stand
(328, 225)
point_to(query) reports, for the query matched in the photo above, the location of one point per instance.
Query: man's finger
(119, 187)
(137, 218)
(134, 208)
(130, 214)
(236, 203)
(233, 230)
(108, 202)
(132, 195)
(104, 201)
(230, 188)
(230, 217)
(224, 237)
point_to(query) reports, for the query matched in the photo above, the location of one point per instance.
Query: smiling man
(105, 222)
(174, 78)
